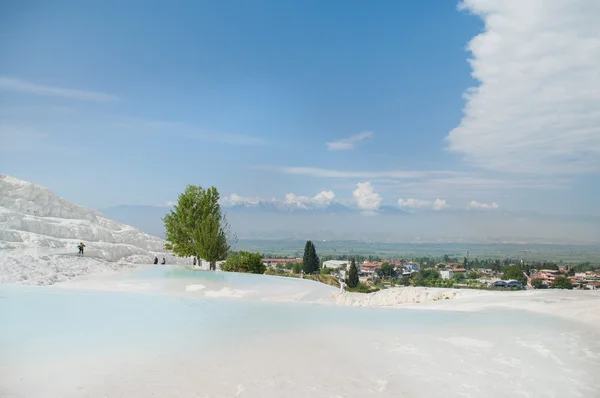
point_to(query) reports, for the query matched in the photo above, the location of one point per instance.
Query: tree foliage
(514, 272)
(325, 271)
(352, 281)
(562, 282)
(459, 276)
(310, 261)
(387, 270)
(428, 274)
(296, 268)
(537, 283)
(196, 227)
(245, 262)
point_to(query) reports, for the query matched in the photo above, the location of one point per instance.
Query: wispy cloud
(331, 173)
(366, 197)
(411, 203)
(536, 109)
(474, 205)
(349, 142)
(23, 86)
(189, 131)
(19, 139)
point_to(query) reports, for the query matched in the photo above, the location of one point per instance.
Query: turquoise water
(44, 321)
(66, 327)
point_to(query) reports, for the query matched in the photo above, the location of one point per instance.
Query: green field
(533, 252)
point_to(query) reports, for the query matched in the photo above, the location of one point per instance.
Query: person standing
(80, 247)
(155, 260)
(164, 261)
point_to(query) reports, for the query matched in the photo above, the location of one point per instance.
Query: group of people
(81, 246)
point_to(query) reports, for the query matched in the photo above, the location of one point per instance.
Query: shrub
(245, 262)
(562, 282)
(325, 271)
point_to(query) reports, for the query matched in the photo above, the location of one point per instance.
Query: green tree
(197, 228)
(428, 274)
(459, 276)
(562, 282)
(297, 268)
(388, 270)
(472, 275)
(405, 281)
(571, 271)
(245, 262)
(514, 272)
(352, 281)
(310, 260)
(537, 282)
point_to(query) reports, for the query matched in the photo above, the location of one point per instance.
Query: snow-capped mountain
(287, 207)
(40, 231)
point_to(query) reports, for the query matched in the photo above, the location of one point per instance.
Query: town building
(336, 264)
(369, 267)
(411, 267)
(446, 274)
(546, 275)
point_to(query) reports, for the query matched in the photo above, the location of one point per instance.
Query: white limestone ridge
(40, 231)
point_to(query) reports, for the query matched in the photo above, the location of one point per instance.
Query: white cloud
(235, 199)
(440, 204)
(474, 205)
(22, 86)
(366, 198)
(411, 203)
(331, 173)
(324, 197)
(349, 142)
(536, 109)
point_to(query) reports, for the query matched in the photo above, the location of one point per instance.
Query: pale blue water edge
(58, 341)
(46, 321)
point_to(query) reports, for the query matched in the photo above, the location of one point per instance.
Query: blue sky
(117, 102)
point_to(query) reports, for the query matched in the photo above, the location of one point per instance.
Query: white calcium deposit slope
(40, 231)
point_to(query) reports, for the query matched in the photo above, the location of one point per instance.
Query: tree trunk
(213, 265)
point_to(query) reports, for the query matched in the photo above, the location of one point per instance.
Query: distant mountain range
(304, 208)
(280, 220)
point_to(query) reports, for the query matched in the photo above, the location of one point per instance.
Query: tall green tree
(196, 227)
(352, 281)
(310, 260)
